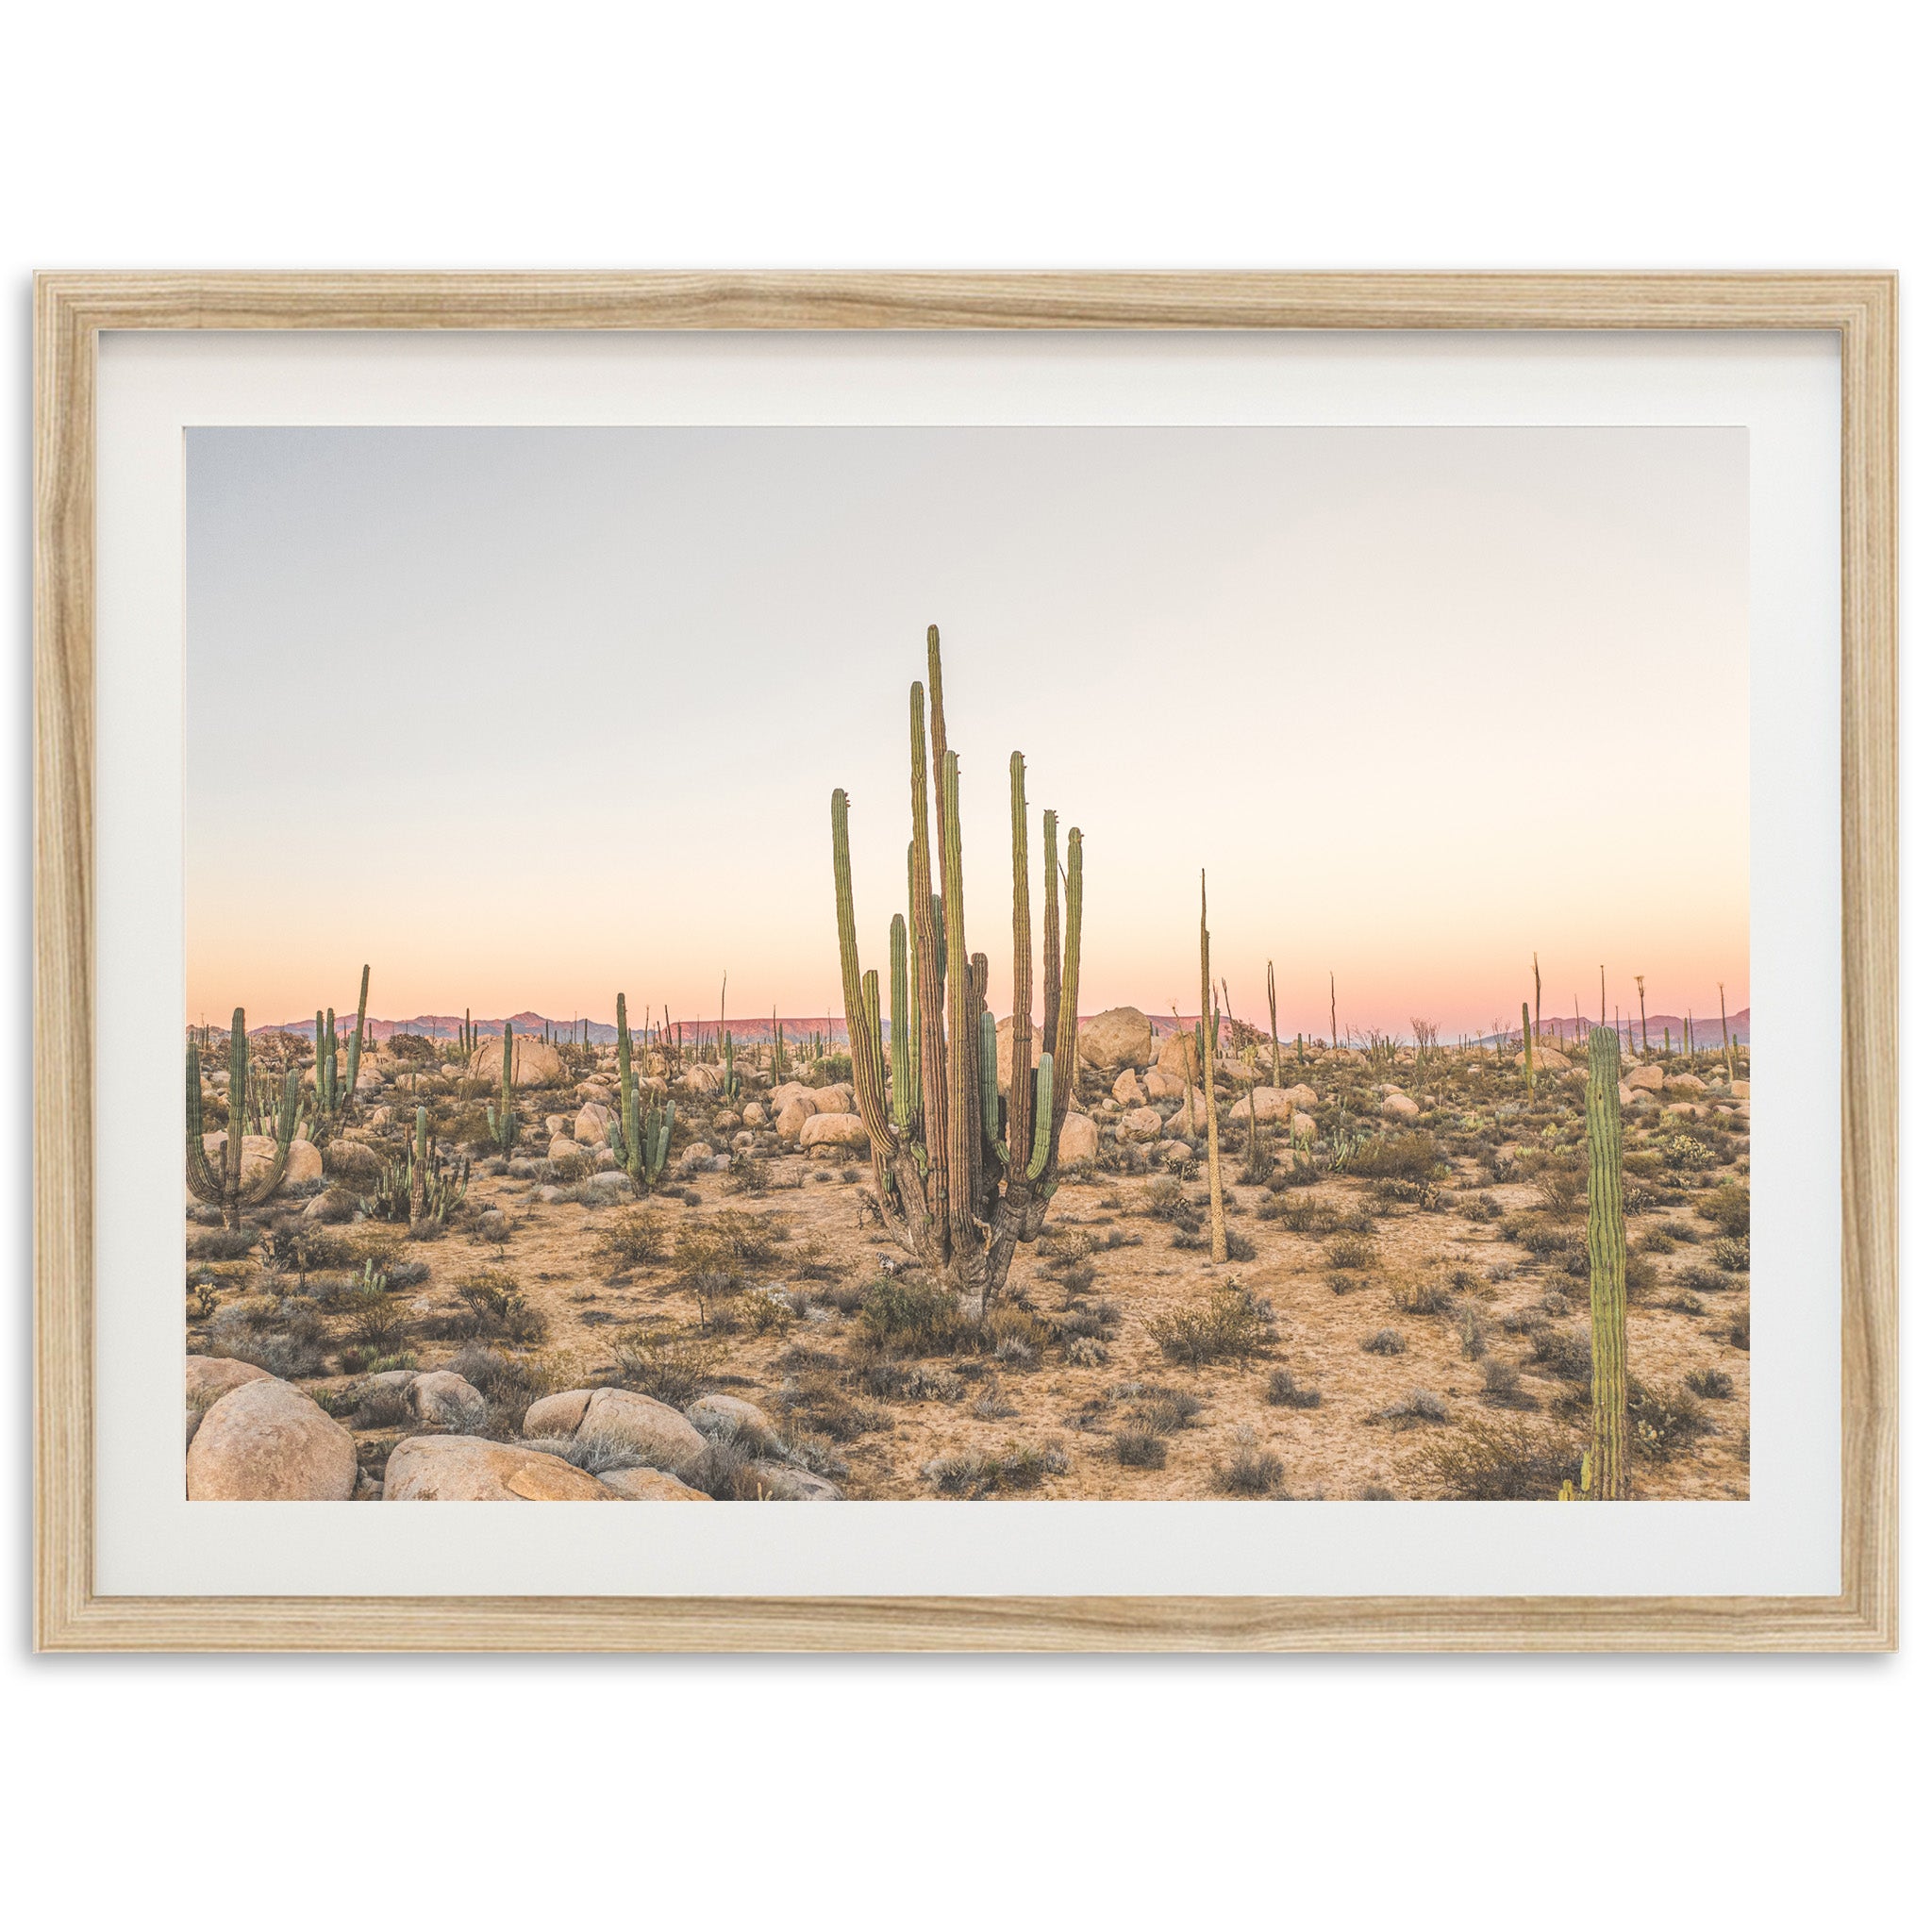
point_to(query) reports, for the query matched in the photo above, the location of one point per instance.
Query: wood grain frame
(73, 309)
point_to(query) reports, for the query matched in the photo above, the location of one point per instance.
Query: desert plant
(1210, 1027)
(672, 1368)
(1233, 1323)
(1284, 1392)
(502, 1114)
(1252, 1469)
(225, 1189)
(1606, 1475)
(958, 1188)
(640, 1140)
(1274, 1030)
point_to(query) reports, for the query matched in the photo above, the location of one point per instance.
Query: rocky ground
(1403, 1313)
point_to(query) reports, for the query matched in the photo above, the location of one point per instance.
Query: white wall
(1418, 136)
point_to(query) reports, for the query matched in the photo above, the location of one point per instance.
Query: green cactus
(903, 1100)
(356, 1037)
(502, 1115)
(1607, 1476)
(1528, 1052)
(1217, 1209)
(640, 1140)
(224, 1188)
(1273, 1031)
(956, 1191)
(730, 1088)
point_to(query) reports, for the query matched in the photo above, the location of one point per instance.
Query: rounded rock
(266, 1442)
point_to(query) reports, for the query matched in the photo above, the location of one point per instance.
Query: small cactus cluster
(640, 1137)
(222, 1187)
(962, 1175)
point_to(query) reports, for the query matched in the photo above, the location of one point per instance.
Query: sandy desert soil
(1470, 1290)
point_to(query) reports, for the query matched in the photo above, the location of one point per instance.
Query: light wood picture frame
(72, 311)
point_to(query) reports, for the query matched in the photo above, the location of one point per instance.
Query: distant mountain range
(599, 1032)
(750, 1032)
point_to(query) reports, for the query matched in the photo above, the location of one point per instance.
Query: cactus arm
(203, 1181)
(901, 1042)
(989, 1082)
(962, 1036)
(928, 961)
(868, 1072)
(870, 1093)
(1610, 1401)
(238, 1090)
(356, 1037)
(1020, 1083)
(1050, 931)
(1274, 1029)
(1217, 1212)
(270, 1180)
(1066, 1038)
(915, 1106)
(1042, 1122)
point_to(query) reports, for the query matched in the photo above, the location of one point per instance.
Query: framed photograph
(1119, 923)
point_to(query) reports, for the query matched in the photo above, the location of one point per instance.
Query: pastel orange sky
(522, 717)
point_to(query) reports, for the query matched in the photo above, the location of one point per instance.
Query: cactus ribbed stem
(1725, 1034)
(355, 1039)
(988, 1081)
(1273, 1030)
(1020, 1083)
(902, 1039)
(1609, 1393)
(962, 1033)
(868, 1075)
(928, 961)
(1217, 1212)
(1043, 1119)
(1528, 1052)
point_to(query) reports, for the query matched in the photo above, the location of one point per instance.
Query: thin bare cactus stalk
(1217, 1212)
(1274, 1028)
(1725, 1021)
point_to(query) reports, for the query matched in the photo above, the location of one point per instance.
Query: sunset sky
(523, 717)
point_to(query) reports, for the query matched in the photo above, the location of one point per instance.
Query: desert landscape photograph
(948, 964)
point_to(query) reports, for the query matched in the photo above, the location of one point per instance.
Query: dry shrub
(634, 1238)
(1232, 1323)
(1252, 1469)
(909, 1314)
(1350, 1252)
(670, 1366)
(820, 1401)
(1284, 1392)
(1728, 1207)
(1501, 1462)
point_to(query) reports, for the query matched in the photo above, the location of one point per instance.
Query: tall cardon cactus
(963, 1175)
(1607, 1476)
(222, 1187)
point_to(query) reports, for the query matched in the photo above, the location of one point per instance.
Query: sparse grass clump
(1732, 1254)
(1138, 1449)
(1713, 1385)
(1350, 1253)
(1233, 1324)
(1424, 1298)
(1418, 1406)
(1284, 1392)
(971, 1477)
(492, 1306)
(1384, 1342)
(1252, 1469)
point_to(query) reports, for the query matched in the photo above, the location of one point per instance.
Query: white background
(1680, 1792)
